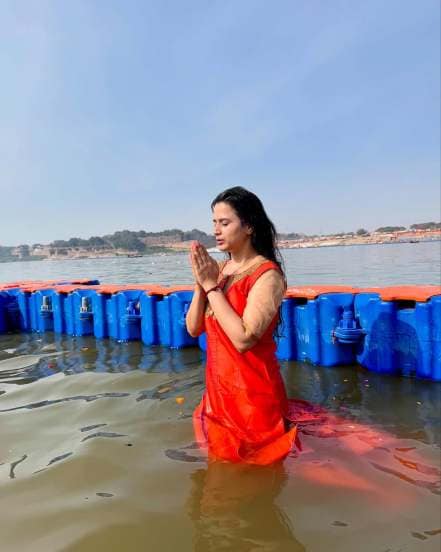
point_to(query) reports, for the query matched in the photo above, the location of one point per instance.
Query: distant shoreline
(283, 245)
(349, 243)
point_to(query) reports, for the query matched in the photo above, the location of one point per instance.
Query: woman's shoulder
(262, 264)
(267, 273)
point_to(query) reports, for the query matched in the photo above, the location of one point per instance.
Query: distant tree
(5, 251)
(426, 226)
(59, 243)
(77, 242)
(362, 232)
(126, 240)
(388, 229)
(199, 235)
(23, 250)
(96, 241)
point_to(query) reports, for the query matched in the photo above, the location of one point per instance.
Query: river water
(96, 453)
(361, 265)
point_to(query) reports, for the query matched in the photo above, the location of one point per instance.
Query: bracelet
(214, 288)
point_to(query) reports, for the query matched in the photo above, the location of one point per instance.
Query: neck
(244, 255)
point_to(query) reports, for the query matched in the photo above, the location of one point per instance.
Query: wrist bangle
(214, 288)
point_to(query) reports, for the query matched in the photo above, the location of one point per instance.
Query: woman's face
(231, 235)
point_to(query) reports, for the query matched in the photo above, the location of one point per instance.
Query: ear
(249, 230)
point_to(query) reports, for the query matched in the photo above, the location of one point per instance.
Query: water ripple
(86, 398)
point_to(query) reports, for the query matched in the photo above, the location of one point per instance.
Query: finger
(197, 261)
(196, 254)
(199, 256)
(204, 253)
(193, 265)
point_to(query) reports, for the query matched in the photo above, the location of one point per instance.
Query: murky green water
(96, 454)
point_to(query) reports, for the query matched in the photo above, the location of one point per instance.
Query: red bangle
(214, 288)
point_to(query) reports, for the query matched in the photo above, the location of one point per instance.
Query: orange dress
(241, 417)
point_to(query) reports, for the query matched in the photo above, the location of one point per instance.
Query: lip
(219, 242)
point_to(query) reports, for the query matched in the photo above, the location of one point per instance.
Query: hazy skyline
(135, 115)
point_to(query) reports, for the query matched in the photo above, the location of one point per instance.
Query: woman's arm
(194, 319)
(195, 315)
(230, 321)
(263, 303)
(257, 313)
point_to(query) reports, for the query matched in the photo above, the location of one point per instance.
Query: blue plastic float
(387, 330)
(403, 334)
(318, 326)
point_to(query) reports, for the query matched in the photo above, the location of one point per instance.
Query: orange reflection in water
(344, 454)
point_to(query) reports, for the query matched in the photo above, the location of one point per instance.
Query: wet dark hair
(251, 212)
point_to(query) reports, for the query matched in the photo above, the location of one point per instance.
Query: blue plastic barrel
(30, 310)
(313, 328)
(179, 303)
(41, 308)
(3, 302)
(27, 315)
(102, 308)
(402, 336)
(163, 319)
(436, 338)
(307, 333)
(286, 331)
(123, 314)
(21, 313)
(149, 321)
(11, 310)
(99, 303)
(332, 309)
(202, 341)
(79, 310)
(60, 306)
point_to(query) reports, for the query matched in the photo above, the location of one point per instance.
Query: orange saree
(241, 417)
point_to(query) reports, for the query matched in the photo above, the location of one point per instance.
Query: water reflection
(25, 358)
(406, 407)
(233, 507)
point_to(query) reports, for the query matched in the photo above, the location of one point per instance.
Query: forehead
(223, 210)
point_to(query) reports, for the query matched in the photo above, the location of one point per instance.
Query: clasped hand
(205, 268)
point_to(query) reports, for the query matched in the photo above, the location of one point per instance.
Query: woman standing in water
(242, 413)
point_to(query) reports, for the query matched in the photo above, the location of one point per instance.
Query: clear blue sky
(134, 115)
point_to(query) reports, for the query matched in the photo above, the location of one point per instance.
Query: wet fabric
(241, 417)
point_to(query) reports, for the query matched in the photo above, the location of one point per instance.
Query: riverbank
(46, 253)
(334, 241)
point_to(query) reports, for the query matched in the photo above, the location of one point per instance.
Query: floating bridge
(389, 330)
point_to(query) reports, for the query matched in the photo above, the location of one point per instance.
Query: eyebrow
(221, 220)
